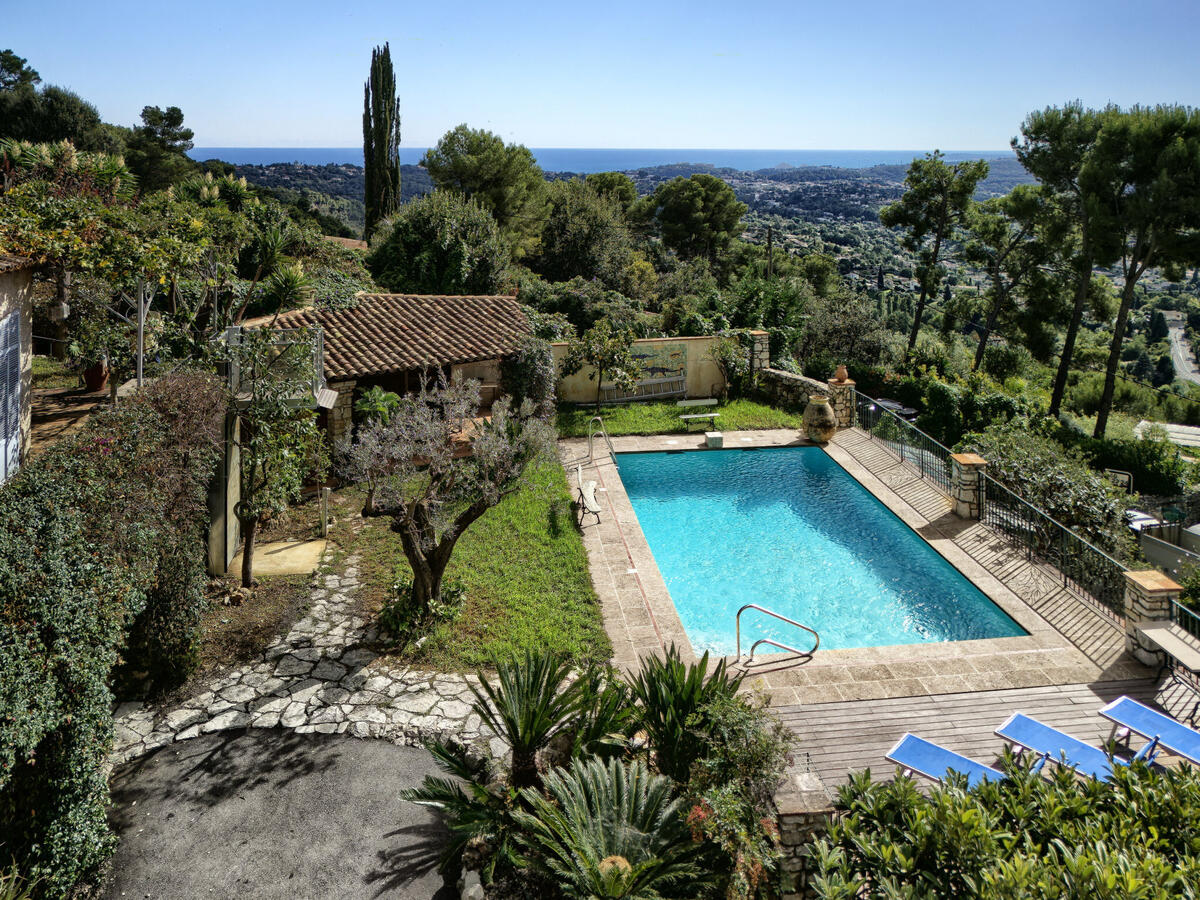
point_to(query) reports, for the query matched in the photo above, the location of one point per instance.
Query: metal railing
(1091, 572)
(1185, 618)
(596, 426)
(1083, 566)
(771, 641)
(905, 441)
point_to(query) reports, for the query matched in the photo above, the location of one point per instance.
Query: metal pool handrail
(773, 643)
(592, 434)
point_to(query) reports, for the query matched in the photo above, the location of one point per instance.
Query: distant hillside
(824, 192)
(342, 186)
(811, 193)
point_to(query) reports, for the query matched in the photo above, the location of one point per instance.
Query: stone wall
(1148, 596)
(760, 352)
(787, 389)
(966, 474)
(341, 416)
(804, 809)
(791, 391)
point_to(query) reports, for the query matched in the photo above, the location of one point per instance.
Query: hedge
(99, 536)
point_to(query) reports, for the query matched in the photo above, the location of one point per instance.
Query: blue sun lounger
(1130, 716)
(1029, 734)
(914, 754)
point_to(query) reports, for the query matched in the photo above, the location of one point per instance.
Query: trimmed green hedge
(99, 535)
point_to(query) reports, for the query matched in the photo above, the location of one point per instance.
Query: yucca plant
(532, 701)
(609, 831)
(669, 695)
(475, 807)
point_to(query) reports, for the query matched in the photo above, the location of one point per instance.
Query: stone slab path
(319, 677)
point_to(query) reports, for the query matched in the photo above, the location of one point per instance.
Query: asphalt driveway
(268, 813)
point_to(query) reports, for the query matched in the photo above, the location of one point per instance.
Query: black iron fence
(1185, 618)
(905, 441)
(1082, 565)
(1085, 568)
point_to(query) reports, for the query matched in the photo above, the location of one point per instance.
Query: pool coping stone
(641, 619)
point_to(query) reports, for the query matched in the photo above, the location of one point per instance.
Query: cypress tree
(381, 140)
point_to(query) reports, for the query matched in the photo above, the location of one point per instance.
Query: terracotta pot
(841, 374)
(95, 377)
(820, 422)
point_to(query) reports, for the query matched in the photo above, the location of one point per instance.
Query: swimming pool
(787, 528)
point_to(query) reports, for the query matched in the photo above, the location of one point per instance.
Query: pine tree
(931, 210)
(381, 140)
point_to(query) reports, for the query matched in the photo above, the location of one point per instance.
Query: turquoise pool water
(789, 529)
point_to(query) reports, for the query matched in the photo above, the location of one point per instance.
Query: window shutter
(10, 395)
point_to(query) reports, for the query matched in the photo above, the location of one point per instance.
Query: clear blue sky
(789, 74)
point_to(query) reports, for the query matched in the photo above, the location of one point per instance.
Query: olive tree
(436, 468)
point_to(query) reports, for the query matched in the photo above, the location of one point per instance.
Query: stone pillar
(1148, 596)
(341, 416)
(804, 811)
(841, 398)
(965, 484)
(760, 353)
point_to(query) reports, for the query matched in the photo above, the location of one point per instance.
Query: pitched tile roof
(387, 333)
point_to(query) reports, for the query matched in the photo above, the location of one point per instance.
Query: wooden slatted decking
(1095, 632)
(838, 738)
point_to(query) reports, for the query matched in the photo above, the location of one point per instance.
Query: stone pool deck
(1069, 642)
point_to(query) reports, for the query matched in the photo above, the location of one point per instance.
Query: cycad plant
(607, 831)
(532, 701)
(670, 694)
(475, 807)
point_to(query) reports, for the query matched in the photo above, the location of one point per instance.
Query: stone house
(16, 361)
(393, 340)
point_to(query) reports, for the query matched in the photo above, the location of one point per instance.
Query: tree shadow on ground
(217, 770)
(416, 852)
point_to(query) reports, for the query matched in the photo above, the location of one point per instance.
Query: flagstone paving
(320, 677)
(1069, 641)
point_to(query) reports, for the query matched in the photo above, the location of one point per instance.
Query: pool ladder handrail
(773, 643)
(597, 425)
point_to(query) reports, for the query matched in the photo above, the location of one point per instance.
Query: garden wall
(804, 808)
(788, 390)
(661, 358)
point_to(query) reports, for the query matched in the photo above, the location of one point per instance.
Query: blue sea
(569, 159)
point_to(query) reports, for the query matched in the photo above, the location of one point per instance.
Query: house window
(10, 395)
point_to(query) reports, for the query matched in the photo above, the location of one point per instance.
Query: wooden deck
(838, 738)
(1095, 632)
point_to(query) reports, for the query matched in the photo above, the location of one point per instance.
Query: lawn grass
(526, 577)
(663, 417)
(52, 373)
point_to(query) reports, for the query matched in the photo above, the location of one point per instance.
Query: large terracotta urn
(820, 422)
(95, 377)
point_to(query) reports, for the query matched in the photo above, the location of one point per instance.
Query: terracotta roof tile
(387, 333)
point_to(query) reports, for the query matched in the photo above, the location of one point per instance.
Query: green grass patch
(526, 576)
(52, 373)
(663, 417)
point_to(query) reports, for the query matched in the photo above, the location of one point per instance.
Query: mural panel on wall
(661, 360)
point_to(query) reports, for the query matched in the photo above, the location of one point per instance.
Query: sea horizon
(585, 160)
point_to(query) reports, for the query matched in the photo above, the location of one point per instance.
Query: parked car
(905, 412)
(1137, 520)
